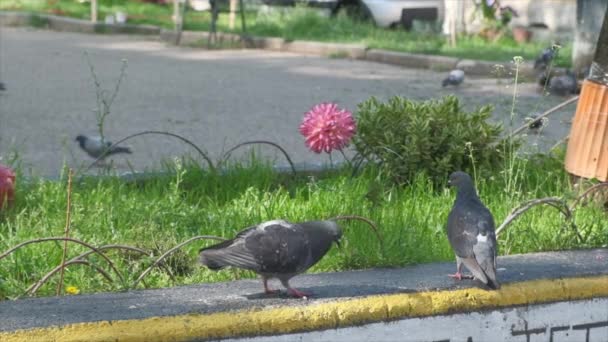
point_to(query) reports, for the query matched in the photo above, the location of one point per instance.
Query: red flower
(327, 127)
(7, 185)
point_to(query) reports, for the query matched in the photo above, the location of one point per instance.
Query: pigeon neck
(466, 192)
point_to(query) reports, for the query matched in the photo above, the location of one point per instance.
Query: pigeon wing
(485, 250)
(280, 248)
(231, 253)
(94, 146)
(462, 231)
(271, 247)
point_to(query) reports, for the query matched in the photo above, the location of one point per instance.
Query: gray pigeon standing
(545, 57)
(95, 148)
(563, 85)
(471, 232)
(275, 249)
(455, 77)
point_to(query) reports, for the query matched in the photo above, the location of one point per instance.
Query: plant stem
(545, 114)
(66, 231)
(588, 192)
(552, 201)
(227, 154)
(371, 224)
(345, 158)
(167, 253)
(36, 286)
(97, 251)
(511, 154)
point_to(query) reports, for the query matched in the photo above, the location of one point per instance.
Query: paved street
(214, 98)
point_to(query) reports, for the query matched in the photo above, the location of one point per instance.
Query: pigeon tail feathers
(119, 149)
(210, 257)
(212, 260)
(488, 277)
(492, 281)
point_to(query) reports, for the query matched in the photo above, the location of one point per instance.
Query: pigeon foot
(296, 293)
(267, 289)
(271, 291)
(460, 276)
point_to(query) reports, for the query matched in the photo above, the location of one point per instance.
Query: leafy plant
(435, 137)
(496, 19)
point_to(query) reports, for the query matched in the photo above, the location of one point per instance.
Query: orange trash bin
(587, 153)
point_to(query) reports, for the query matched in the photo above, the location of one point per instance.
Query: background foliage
(436, 137)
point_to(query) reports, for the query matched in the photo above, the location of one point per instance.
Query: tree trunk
(601, 49)
(94, 11)
(589, 17)
(232, 16)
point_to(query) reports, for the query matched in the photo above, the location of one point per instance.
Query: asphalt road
(247, 294)
(215, 98)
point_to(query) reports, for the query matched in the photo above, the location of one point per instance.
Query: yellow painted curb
(318, 316)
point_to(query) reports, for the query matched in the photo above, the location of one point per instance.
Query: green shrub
(435, 137)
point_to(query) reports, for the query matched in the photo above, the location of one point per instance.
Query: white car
(387, 13)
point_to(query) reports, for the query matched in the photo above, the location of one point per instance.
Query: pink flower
(7, 185)
(327, 127)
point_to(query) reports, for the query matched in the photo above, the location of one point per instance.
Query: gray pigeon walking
(275, 249)
(535, 122)
(95, 148)
(471, 232)
(455, 77)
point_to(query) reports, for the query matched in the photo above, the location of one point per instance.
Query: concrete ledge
(411, 60)
(344, 299)
(270, 43)
(277, 44)
(59, 23)
(197, 37)
(8, 18)
(326, 49)
(356, 51)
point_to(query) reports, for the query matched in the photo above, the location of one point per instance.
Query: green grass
(158, 213)
(302, 24)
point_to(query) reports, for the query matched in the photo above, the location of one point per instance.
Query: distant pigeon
(2, 87)
(455, 77)
(544, 59)
(564, 84)
(471, 232)
(534, 122)
(275, 249)
(95, 148)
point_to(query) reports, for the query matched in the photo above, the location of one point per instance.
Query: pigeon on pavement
(2, 87)
(95, 148)
(534, 122)
(543, 77)
(564, 84)
(275, 249)
(471, 232)
(455, 77)
(545, 57)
